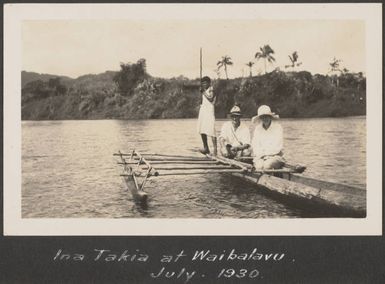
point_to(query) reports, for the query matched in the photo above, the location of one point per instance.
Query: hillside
(27, 77)
(131, 93)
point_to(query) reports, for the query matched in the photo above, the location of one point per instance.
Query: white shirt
(206, 118)
(267, 142)
(235, 136)
(210, 94)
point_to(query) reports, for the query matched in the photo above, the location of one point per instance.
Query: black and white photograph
(188, 119)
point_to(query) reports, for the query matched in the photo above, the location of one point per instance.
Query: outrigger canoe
(286, 185)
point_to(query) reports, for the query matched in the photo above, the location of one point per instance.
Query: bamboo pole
(272, 171)
(200, 65)
(198, 173)
(170, 156)
(188, 167)
(295, 168)
(142, 159)
(195, 168)
(190, 173)
(165, 157)
(190, 170)
(176, 163)
(174, 159)
(240, 159)
(208, 162)
(243, 166)
(155, 155)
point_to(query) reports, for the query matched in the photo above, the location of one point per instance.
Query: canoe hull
(131, 184)
(321, 197)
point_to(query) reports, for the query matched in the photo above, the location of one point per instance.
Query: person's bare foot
(299, 168)
(204, 151)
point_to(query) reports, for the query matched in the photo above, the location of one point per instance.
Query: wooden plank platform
(340, 200)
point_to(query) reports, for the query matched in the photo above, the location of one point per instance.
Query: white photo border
(14, 224)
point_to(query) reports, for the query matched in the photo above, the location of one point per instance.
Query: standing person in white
(267, 142)
(206, 118)
(234, 139)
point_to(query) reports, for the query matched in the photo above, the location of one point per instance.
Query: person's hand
(265, 157)
(235, 148)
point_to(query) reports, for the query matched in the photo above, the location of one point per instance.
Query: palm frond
(295, 56)
(268, 49)
(270, 58)
(250, 64)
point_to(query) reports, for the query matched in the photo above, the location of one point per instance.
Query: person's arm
(276, 145)
(244, 139)
(255, 145)
(222, 142)
(240, 147)
(222, 136)
(209, 94)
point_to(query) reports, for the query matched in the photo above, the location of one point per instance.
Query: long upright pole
(200, 67)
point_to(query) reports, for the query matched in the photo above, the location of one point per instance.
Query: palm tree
(335, 66)
(266, 53)
(293, 58)
(226, 60)
(250, 64)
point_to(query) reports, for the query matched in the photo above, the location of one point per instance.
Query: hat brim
(235, 114)
(257, 117)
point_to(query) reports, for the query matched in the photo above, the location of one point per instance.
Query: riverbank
(104, 96)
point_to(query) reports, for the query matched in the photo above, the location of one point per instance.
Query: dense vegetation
(132, 93)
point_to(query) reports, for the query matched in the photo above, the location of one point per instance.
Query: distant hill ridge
(27, 77)
(132, 93)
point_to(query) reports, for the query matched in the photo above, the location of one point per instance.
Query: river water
(68, 170)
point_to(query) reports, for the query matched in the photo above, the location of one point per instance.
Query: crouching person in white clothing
(234, 140)
(267, 143)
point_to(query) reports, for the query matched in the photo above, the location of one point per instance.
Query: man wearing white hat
(267, 143)
(234, 140)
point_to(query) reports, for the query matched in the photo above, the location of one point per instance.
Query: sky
(171, 47)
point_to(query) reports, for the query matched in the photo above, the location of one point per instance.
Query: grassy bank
(133, 94)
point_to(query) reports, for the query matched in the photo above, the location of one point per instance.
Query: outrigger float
(329, 199)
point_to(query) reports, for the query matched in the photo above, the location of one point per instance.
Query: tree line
(266, 53)
(131, 93)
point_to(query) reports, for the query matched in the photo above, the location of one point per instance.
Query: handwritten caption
(234, 264)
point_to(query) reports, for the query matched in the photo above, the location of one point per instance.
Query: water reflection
(68, 169)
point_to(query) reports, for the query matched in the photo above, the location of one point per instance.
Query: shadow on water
(68, 169)
(142, 207)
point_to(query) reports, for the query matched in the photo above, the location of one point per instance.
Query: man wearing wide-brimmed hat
(267, 142)
(234, 139)
(206, 117)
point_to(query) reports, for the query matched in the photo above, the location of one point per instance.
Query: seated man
(267, 143)
(234, 140)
